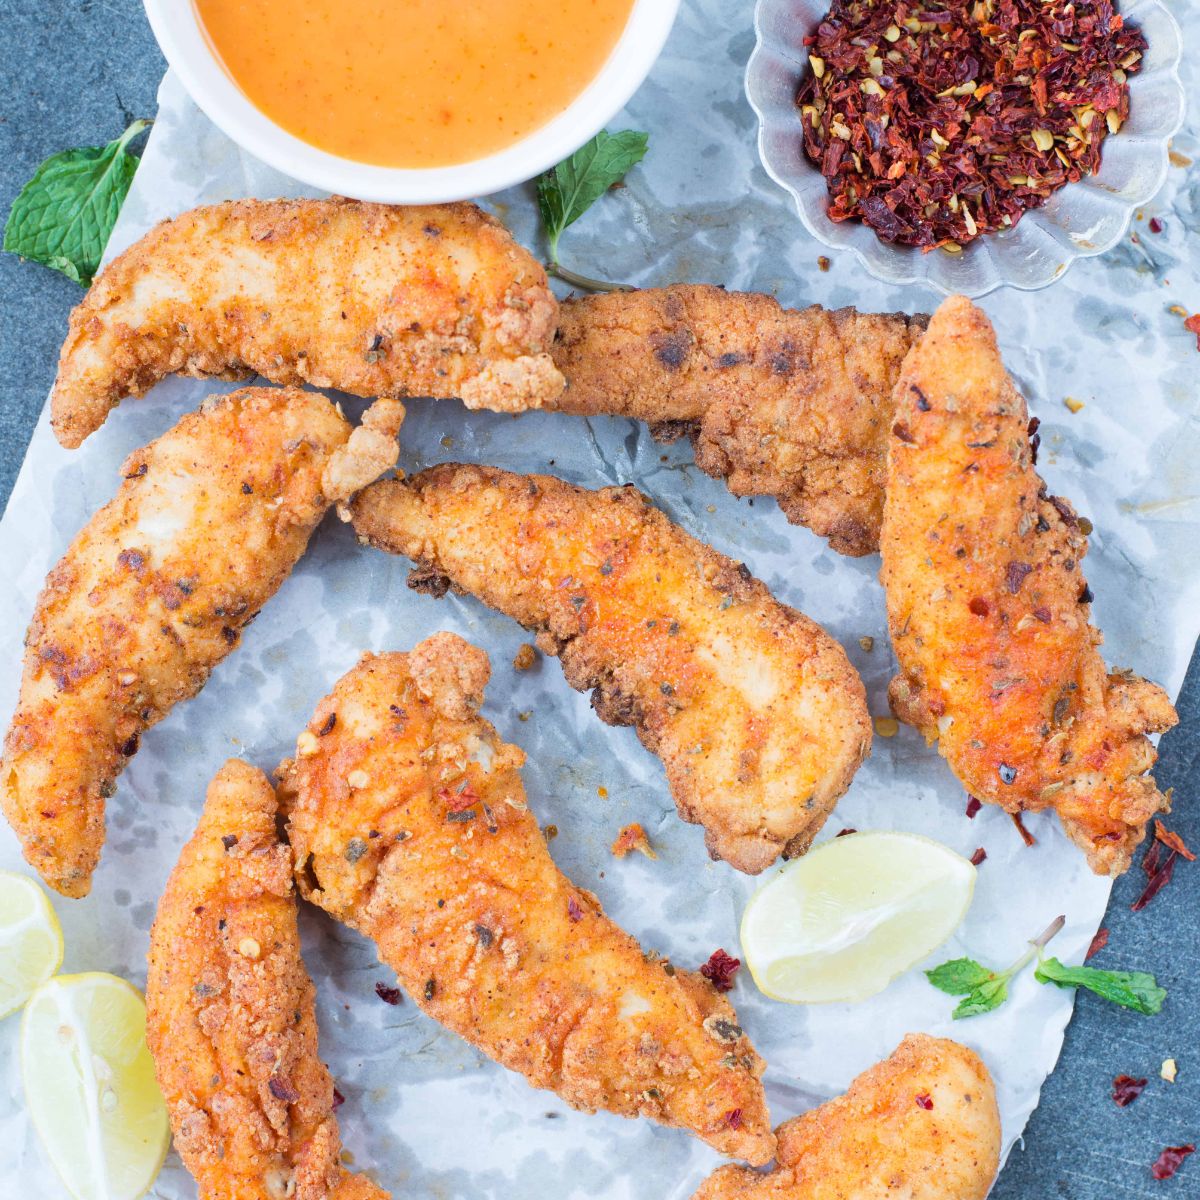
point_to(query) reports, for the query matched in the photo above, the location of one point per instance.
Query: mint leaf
(64, 214)
(959, 976)
(567, 191)
(983, 999)
(1136, 990)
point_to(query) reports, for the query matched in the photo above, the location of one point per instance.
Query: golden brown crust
(989, 610)
(150, 596)
(756, 713)
(921, 1125)
(409, 823)
(229, 1012)
(794, 404)
(372, 299)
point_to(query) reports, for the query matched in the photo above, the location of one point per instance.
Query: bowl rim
(176, 27)
(895, 272)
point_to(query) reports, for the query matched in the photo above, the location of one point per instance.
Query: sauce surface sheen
(412, 83)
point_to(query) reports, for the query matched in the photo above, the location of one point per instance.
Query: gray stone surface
(76, 72)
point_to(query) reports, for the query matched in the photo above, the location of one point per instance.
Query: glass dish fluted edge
(1078, 221)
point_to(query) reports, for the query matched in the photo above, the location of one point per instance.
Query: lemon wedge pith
(31, 942)
(842, 922)
(90, 1086)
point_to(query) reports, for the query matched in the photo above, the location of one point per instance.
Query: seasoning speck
(524, 658)
(355, 849)
(389, 995)
(249, 948)
(1074, 405)
(633, 837)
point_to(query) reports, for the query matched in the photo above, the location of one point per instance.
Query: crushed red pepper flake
(1126, 1090)
(283, 1089)
(633, 837)
(721, 969)
(460, 800)
(1192, 325)
(574, 912)
(847, 831)
(733, 1118)
(389, 995)
(978, 857)
(925, 1101)
(935, 123)
(973, 807)
(1016, 574)
(1170, 1160)
(338, 1099)
(1156, 226)
(1159, 866)
(1098, 943)
(1172, 840)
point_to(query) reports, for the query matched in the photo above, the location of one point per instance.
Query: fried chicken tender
(229, 1012)
(756, 713)
(989, 611)
(151, 595)
(921, 1125)
(370, 299)
(776, 402)
(409, 823)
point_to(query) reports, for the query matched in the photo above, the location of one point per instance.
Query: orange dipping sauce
(412, 83)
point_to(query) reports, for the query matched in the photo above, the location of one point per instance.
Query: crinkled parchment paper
(427, 1114)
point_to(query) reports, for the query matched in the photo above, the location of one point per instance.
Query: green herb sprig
(567, 191)
(983, 990)
(63, 216)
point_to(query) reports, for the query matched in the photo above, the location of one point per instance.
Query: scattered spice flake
(847, 831)
(1073, 404)
(1026, 836)
(1126, 1090)
(338, 1099)
(1169, 1070)
(950, 122)
(574, 912)
(822, 262)
(720, 970)
(1192, 325)
(973, 807)
(1156, 226)
(867, 643)
(1098, 943)
(733, 1118)
(1170, 1160)
(633, 837)
(1172, 840)
(458, 801)
(925, 1101)
(525, 657)
(283, 1089)
(1016, 575)
(978, 857)
(1159, 878)
(229, 840)
(389, 995)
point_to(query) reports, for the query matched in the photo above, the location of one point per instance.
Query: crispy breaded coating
(989, 610)
(794, 404)
(409, 823)
(921, 1125)
(756, 713)
(229, 1012)
(151, 595)
(372, 299)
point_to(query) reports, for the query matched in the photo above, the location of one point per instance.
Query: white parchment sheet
(427, 1114)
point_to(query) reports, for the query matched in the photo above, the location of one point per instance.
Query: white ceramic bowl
(1078, 221)
(177, 28)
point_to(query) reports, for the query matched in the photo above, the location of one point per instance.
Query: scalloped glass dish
(1078, 221)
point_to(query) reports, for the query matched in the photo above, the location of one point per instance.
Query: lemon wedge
(842, 922)
(31, 941)
(90, 1087)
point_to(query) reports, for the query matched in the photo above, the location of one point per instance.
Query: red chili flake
(229, 840)
(1192, 325)
(973, 807)
(633, 837)
(338, 1099)
(573, 909)
(1015, 575)
(1160, 877)
(925, 1101)
(458, 801)
(1156, 226)
(1098, 943)
(1170, 1160)
(389, 995)
(934, 125)
(1026, 836)
(282, 1089)
(1172, 840)
(979, 606)
(847, 831)
(979, 856)
(720, 970)
(733, 1118)
(1126, 1090)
